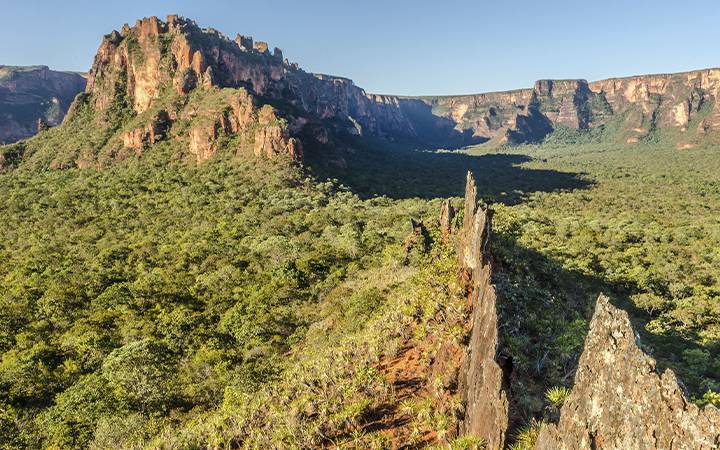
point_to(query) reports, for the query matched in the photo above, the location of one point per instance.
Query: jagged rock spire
(620, 401)
(483, 377)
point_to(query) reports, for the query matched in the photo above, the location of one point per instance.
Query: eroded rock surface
(484, 374)
(275, 107)
(620, 401)
(643, 102)
(447, 218)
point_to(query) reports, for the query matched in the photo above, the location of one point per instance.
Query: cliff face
(619, 401)
(196, 86)
(684, 101)
(173, 81)
(30, 96)
(177, 55)
(146, 84)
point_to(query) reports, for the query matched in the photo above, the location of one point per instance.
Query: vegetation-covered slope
(238, 301)
(145, 290)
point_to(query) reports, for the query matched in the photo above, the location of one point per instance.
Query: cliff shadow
(400, 171)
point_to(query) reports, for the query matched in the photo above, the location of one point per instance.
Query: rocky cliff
(686, 102)
(620, 401)
(173, 81)
(153, 55)
(32, 97)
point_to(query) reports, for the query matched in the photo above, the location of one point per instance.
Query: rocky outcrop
(620, 401)
(145, 65)
(32, 94)
(142, 59)
(273, 137)
(139, 138)
(447, 217)
(483, 379)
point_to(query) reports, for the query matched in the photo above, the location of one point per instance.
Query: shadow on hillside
(548, 308)
(399, 172)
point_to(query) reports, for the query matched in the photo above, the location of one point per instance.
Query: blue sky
(402, 46)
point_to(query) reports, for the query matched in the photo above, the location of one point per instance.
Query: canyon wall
(32, 97)
(686, 102)
(174, 81)
(143, 65)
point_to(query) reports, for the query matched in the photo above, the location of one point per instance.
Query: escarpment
(172, 81)
(620, 401)
(144, 77)
(154, 60)
(484, 375)
(33, 98)
(686, 102)
(193, 85)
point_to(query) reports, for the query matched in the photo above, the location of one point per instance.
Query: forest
(252, 303)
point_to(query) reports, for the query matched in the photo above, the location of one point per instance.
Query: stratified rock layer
(483, 377)
(150, 77)
(33, 95)
(685, 101)
(619, 401)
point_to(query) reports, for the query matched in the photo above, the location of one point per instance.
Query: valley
(217, 249)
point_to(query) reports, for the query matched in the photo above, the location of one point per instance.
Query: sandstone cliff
(30, 96)
(159, 80)
(686, 102)
(192, 85)
(619, 401)
(174, 81)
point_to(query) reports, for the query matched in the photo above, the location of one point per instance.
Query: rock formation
(447, 216)
(642, 103)
(159, 80)
(620, 401)
(29, 95)
(484, 374)
(144, 58)
(160, 66)
(171, 80)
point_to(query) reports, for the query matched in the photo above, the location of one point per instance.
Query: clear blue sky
(403, 46)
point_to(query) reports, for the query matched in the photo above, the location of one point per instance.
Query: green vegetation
(248, 303)
(581, 214)
(526, 437)
(557, 395)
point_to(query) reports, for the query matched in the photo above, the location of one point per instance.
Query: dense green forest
(246, 302)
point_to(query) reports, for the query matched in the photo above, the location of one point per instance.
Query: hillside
(217, 249)
(32, 94)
